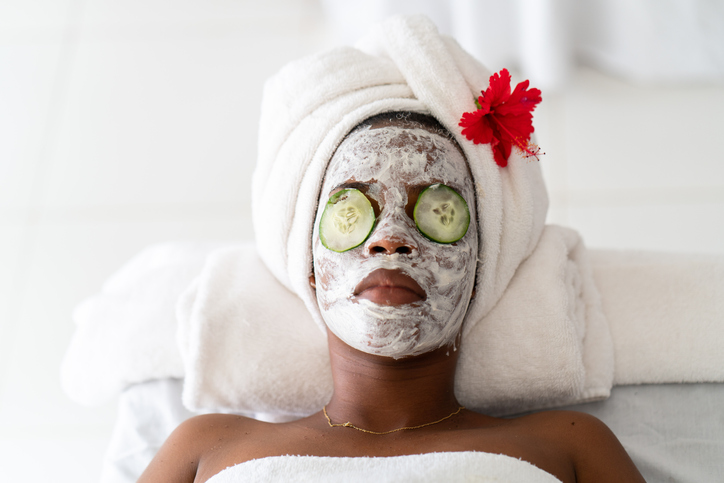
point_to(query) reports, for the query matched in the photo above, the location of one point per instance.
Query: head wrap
(308, 108)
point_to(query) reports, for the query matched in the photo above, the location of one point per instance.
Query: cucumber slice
(347, 220)
(441, 214)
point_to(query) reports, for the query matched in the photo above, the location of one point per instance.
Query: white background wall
(127, 123)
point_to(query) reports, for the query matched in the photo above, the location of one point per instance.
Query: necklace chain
(350, 425)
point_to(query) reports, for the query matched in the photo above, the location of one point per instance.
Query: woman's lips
(389, 287)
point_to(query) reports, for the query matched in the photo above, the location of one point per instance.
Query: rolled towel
(311, 105)
(249, 345)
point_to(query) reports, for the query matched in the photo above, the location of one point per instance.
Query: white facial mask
(391, 160)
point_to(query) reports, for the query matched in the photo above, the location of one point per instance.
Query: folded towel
(127, 332)
(250, 346)
(547, 341)
(460, 466)
(666, 313)
(311, 105)
(248, 343)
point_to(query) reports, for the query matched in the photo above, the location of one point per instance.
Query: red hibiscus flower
(503, 119)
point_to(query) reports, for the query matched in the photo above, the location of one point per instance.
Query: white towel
(311, 104)
(461, 466)
(666, 313)
(127, 332)
(249, 345)
(547, 341)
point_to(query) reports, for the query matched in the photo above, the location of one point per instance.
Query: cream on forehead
(373, 154)
(446, 272)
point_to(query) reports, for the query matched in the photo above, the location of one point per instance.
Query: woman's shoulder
(215, 422)
(568, 429)
(179, 457)
(552, 423)
(199, 430)
(595, 451)
(560, 419)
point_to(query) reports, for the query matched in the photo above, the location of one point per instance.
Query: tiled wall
(636, 167)
(128, 123)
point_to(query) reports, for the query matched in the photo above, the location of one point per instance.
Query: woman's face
(398, 294)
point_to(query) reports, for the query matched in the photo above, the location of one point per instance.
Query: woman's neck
(380, 393)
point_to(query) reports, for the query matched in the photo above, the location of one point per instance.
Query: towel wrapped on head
(311, 105)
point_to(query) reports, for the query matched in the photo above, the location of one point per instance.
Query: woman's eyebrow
(351, 185)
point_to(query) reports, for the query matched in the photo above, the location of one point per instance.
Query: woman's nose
(389, 237)
(389, 246)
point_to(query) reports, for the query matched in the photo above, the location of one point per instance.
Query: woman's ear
(313, 281)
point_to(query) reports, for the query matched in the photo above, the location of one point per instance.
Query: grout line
(32, 214)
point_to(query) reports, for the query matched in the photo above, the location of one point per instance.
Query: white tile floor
(128, 123)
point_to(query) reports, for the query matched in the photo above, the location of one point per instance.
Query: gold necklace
(350, 425)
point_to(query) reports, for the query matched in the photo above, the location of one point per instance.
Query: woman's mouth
(389, 287)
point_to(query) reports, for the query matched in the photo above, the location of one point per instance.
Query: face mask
(398, 294)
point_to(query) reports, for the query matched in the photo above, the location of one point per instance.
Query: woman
(393, 343)
(399, 234)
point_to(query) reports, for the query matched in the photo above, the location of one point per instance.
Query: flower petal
(522, 100)
(476, 127)
(499, 89)
(501, 158)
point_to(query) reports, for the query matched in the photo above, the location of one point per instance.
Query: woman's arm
(178, 459)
